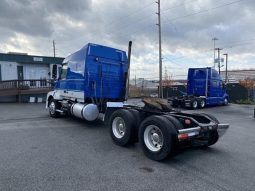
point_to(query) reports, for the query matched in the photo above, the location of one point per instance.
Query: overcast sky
(188, 27)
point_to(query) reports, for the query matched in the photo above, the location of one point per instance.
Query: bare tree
(249, 85)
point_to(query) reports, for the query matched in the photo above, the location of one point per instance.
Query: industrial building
(23, 75)
(237, 75)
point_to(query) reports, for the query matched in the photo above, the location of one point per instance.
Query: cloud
(34, 18)
(187, 30)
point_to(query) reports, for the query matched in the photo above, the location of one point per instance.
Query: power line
(204, 11)
(144, 18)
(188, 15)
(125, 25)
(192, 14)
(180, 5)
(132, 13)
(229, 45)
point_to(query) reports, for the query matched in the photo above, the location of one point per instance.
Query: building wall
(237, 75)
(36, 71)
(9, 70)
(23, 98)
(30, 71)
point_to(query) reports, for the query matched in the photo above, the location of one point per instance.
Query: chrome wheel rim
(202, 103)
(225, 101)
(194, 104)
(118, 127)
(153, 138)
(52, 108)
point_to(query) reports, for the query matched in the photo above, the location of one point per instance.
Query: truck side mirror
(54, 71)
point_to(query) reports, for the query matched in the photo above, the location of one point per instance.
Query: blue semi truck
(94, 84)
(204, 88)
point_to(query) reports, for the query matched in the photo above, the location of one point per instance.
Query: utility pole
(218, 49)
(214, 39)
(135, 79)
(160, 56)
(54, 49)
(54, 71)
(226, 73)
(142, 85)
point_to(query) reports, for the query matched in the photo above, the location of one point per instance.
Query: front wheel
(156, 135)
(226, 101)
(53, 106)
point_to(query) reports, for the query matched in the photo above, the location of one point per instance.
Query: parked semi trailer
(204, 88)
(94, 81)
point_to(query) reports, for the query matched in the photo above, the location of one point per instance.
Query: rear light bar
(185, 134)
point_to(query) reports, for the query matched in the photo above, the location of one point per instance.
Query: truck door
(214, 84)
(215, 87)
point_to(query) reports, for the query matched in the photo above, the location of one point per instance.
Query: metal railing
(26, 84)
(23, 85)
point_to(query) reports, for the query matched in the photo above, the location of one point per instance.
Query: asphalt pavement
(41, 153)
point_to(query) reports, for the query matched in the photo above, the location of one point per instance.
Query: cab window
(63, 72)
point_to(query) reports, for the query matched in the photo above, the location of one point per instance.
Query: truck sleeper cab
(204, 88)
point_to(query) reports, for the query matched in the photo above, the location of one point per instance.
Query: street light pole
(226, 73)
(218, 49)
(214, 39)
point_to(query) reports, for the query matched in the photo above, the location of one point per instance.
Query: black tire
(138, 118)
(194, 104)
(201, 103)
(177, 124)
(212, 135)
(53, 106)
(122, 127)
(175, 103)
(163, 146)
(225, 101)
(214, 119)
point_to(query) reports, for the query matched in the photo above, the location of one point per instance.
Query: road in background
(41, 153)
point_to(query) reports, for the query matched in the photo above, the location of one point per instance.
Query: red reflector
(183, 136)
(187, 121)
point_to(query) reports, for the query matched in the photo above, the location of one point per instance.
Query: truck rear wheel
(156, 135)
(214, 119)
(137, 116)
(202, 103)
(53, 106)
(194, 104)
(177, 124)
(212, 135)
(122, 127)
